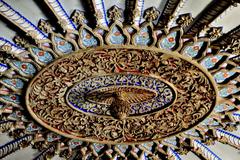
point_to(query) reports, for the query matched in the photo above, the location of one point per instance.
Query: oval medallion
(143, 94)
(121, 95)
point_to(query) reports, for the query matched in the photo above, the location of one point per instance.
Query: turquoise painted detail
(148, 145)
(193, 51)
(11, 98)
(228, 91)
(223, 107)
(16, 83)
(88, 39)
(210, 122)
(192, 132)
(143, 37)
(123, 148)
(98, 147)
(25, 67)
(135, 150)
(116, 37)
(130, 30)
(169, 42)
(3, 67)
(171, 141)
(74, 143)
(15, 116)
(43, 56)
(63, 45)
(210, 62)
(222, 76)
(32, 127)
(53, 137)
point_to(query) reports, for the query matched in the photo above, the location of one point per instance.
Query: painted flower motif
(196, 48)
(24, 66)
(41, 53)
(88, 36)
(171, 39)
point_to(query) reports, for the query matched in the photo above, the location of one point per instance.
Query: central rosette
(121, 95)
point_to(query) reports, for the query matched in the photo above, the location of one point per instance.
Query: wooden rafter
(97, 12)
(134, 11)
(168, 11)
(227, 38)
(204, 18)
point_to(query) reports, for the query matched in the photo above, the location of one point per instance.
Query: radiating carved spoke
(104, 82)
(167, 13)
(229, 40)
(211, 12)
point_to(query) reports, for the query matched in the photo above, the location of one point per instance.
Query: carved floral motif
(46, 95)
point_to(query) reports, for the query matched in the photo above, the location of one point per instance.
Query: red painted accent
(171, 39)
(34, 126)
(88, 36)
(144, 34)
(62, 43)
(117, 33)
(196, 48)
(214, 60)
(41, 53)
(13, 97)
(14, 82)
(225, 75)
(24, 66)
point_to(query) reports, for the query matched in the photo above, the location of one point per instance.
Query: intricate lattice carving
(50, 86)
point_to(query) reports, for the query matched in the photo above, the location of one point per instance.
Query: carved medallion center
(131, 94)
(136, 94)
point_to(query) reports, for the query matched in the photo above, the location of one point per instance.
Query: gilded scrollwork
(46, 96)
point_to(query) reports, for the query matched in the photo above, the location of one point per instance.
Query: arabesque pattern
(203, 77)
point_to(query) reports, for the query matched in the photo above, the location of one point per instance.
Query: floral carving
(151, 14)
(46, 96)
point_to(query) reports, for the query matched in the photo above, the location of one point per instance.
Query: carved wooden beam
(98, 12)
(20, 21)
(167, 13)
(227, 39)
(45, 153)
(14, 145)
(227, 137)
(201, 149)
(204, 18)
(60, 13)
(134, 11)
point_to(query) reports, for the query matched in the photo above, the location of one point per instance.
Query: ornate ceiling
(132, 80)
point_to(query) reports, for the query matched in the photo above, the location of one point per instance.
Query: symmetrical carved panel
(196, 95)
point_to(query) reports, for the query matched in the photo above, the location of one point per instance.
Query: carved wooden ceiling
(135, 80)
